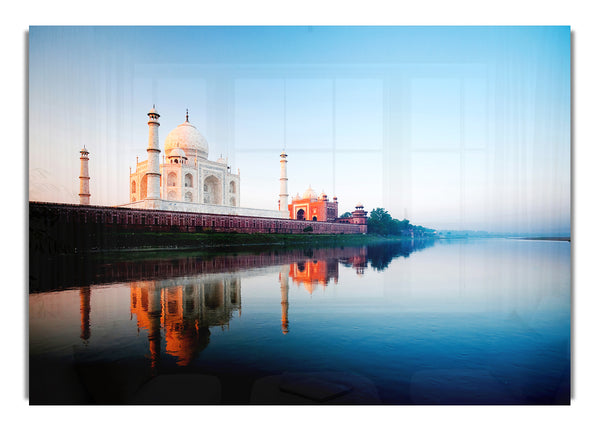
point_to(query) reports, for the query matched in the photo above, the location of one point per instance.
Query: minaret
(283, 189)
(153, 186)
(84, 178)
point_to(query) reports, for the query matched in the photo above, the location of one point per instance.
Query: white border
(583, 20)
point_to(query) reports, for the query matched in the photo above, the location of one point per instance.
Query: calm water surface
(454, 322)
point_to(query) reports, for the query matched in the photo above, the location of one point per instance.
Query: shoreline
(166, 242)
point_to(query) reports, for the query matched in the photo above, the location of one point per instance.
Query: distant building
(359, 216)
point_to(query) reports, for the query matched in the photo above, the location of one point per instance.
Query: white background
(581, 415)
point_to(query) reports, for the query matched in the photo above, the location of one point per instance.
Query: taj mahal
(187, 181)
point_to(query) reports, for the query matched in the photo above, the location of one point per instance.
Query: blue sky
(450, 127)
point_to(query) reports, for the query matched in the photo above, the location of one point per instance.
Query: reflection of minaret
(146, 304)
(84, 308)
(154, 314)
(283, 279)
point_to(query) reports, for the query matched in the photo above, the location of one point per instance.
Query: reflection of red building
(314, 272)
(311, 207)
(358, 261)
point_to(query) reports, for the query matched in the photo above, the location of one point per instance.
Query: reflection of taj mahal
(185, 312)
(176, 314)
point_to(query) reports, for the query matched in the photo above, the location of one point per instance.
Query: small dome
(177, 152)
(359, 205)
(323, 196)
(189, 139)
(153, 111)
(309, 194)
(222, 160)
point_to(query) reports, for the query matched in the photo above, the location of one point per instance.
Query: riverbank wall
(55, 227)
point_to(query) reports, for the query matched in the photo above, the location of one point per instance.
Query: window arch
(133, 187)
(212, 190)
(189, 180)
(171, 196)
(188, 197)
(232, 187)
(300, 215)
(172, 179)
(232, 201)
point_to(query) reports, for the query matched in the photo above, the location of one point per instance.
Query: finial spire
(186, 116)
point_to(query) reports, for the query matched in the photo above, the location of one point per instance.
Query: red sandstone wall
(181, 221)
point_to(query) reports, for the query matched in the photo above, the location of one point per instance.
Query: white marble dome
(309, 194)
(189, 139)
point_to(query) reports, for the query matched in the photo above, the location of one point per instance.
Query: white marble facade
(188, 180)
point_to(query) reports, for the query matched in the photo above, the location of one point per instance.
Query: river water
(480, 321)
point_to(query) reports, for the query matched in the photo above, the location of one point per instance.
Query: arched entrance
(172, 179)
(212, 190)
(300, 215)
(314, 218)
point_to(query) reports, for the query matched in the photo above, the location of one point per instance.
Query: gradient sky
(450, 127)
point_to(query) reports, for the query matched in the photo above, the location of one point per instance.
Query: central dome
(189, 139)
(309, 194)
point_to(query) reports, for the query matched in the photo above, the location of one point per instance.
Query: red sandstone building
(311, 207)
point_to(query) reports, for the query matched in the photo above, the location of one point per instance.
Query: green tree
(379, 222)
(347, 214)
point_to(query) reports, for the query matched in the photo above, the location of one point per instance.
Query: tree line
(380, 222)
